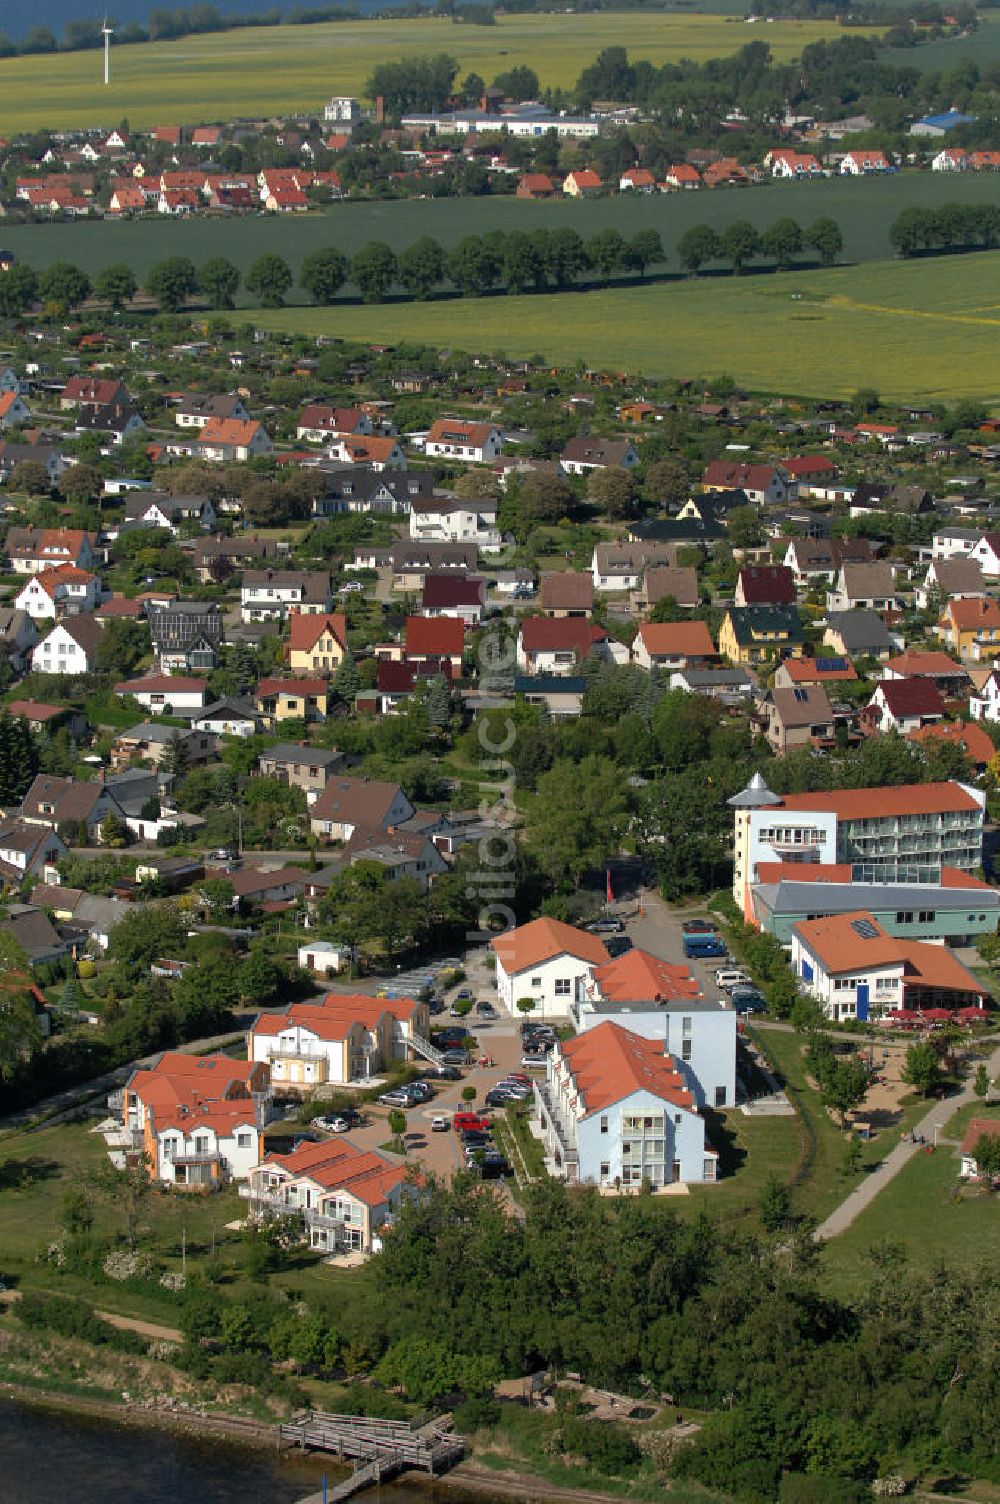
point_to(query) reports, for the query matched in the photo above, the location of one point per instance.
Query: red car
(471, 1122)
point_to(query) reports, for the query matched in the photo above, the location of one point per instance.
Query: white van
(729, 979)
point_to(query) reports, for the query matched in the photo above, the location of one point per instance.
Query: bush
(605, 1444)
(476, 1414)
(800, 1488)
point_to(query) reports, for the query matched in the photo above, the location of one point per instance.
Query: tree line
(952, 227)
(164, 24)
(516, 262)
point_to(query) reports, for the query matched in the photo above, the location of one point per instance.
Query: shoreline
(468, 1476)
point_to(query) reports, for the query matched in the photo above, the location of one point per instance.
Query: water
(53, 1457)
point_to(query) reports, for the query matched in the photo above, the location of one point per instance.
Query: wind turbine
(107, 32)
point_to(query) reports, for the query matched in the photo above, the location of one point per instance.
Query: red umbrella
(937, 1015)
(972, 1015)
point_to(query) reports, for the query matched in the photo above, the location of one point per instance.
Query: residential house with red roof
(682, 175)
(548, 961)
(13, 410)
(637, 180)
(792, 672)
(34, 550)
(63, 591)
(971, 628)
(905, 833)
(785, 162)
(856, 970)
(672, 645)
(198, 1119)
(864, 163)
(665, 1003)
(461, 596)
(457, 439)
(555, 646)
(584, 183)
(163, 694)
(535, 185)
(765, 585)
(438, 641)
(969, 738)
(373, 451)
(764, 485)
(318, 421)
(342, 1195)
(92, 391)
(316, 643)
(902, 705)
(344, 1038)
(278, 700)
(951, 678)
(227, 439)
(616, 1111)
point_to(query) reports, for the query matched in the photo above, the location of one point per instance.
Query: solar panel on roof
(830, 665)
(864, 928)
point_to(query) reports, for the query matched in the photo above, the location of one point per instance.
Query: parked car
(449, 1037)
(440, 1124)
(609, 925)
(454, 1057)
(472, 1122)
(420, 1091)
(447, 1073)
(617, 945)
(748, 1000)
(485, 1009)
(703, 944)
(728, 977)
(463, 995)
(398, 1097)
(534, 1062)
(699, 927)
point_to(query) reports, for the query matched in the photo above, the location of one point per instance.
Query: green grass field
(296, 68)
(919, 1211)
(863, 209)
(918, 330)
(982, 48)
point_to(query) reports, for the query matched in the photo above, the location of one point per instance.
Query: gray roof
(790, 897)
(316, 757)
(756, 795)
(859, 630)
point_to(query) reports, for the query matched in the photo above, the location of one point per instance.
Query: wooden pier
(379, 1448)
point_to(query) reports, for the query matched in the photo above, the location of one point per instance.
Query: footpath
(929, 1128)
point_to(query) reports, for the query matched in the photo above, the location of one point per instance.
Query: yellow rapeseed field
(260, 71)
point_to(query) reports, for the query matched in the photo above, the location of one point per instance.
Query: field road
(150, 1329)
(929, 1127)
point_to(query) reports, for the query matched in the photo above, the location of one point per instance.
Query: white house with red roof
(856, 970)
(784, 162)
(346, 1037)
(903, 705)
(680, 644)
(198, 1119)
(616, 1111)
(164, 693)
(318, 420)
(456, 439)
(682, 175)
(554, 645)
(547, 961)
(865, 163)
(64, 591)
(664, 1002)
(343, 1195)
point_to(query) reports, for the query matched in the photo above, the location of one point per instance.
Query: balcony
(295, 1052)
(554, 1124)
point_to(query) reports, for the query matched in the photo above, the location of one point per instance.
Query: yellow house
(292, 700)
(757, 634)
(317, 644)
(971, 628)
(347, 1037)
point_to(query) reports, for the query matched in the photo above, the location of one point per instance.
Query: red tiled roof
(840, 948)
(669, 639)
(610, 1063)
(305, 631)
(767, 585)
(972, 739)
(542, 940)
(909, 697)
(639, 976)
(540, 634)
(437, 637)
(902, 799)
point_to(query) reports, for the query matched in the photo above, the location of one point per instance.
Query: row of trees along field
(952, 227)
(518, 262)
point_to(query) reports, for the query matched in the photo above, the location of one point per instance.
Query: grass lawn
(922, 330)
(264, 70)
(947, 53)
(750, 1150)
(863, 208)
(36, 1171)
(920, 1211)
(821, 1184)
